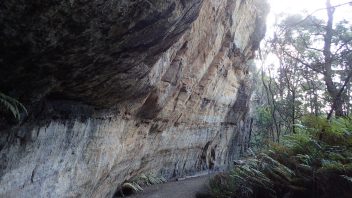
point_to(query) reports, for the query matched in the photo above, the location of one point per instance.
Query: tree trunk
(293, 111)
(316, 104)
(337, 102)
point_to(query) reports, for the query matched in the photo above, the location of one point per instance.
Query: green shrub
(314, 162)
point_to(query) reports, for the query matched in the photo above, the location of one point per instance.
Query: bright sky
(305, 7)
(297, 6)
(291, 6)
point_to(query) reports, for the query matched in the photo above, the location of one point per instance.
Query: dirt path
(187, 188)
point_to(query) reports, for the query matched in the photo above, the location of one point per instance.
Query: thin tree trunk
(293, 111)
(250, 132)
(271, 102)
(316, 104)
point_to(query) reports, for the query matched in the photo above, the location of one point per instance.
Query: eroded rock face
(120, 87)
(99, 52)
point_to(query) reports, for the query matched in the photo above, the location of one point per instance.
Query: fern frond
(134, 186)
(13, 105)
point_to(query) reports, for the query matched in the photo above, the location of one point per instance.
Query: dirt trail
(187, 188)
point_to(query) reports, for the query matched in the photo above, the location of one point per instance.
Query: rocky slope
(119, 87)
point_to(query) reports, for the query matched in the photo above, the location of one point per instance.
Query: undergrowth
(314, 162)
(137, 183)
(12, 105)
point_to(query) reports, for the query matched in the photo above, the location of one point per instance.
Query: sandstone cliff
(119, 87)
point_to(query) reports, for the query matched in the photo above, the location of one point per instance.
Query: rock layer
(118, 88)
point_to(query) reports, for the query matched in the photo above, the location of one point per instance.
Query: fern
(134, 186)
(319, 154)
(137, 183)
(148, 179)
(13, 105)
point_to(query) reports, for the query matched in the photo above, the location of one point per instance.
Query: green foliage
(297, 82)
(314, 162)
(136, 184)
(252, 179)
(297, 142)
(148, 179)
(264, 118)
(336, 132)
(12, 105)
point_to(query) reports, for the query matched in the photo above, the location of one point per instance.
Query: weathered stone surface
(117, 88)
(99, 52)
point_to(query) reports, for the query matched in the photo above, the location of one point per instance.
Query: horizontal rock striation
(118, 88)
